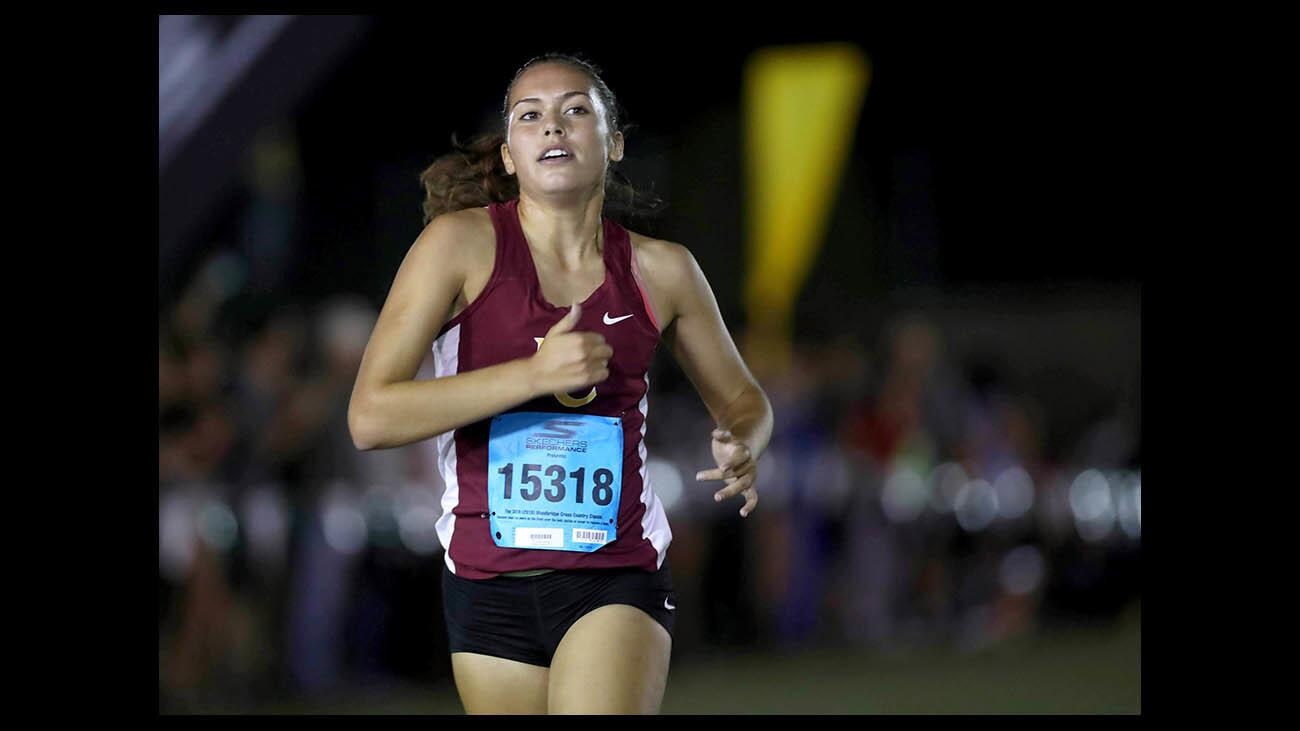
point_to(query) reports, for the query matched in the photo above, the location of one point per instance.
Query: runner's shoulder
(660, 261)
(464, 238)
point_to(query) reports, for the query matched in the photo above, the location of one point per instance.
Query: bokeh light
(1021, 571)
(265, 515)
(1015, 491)
(343, 523)
(218, 526)
(417, 510)
(418, 528)
(176, 534)
(666, 481)
(946, 482)
(1092, 505)
(904, 495)
(976, 505)
(1128, 502)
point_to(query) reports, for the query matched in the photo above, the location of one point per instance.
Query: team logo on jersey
(565, 398)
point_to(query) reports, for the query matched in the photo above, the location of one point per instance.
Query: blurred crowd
(907, 499)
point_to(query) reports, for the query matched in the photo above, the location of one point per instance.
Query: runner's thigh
(612, 660)
(496, 685)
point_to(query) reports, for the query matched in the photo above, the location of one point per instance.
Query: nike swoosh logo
(668, 606)
(616, 319)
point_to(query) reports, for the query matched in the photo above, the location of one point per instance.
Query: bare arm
(703, 347)
(389, 409)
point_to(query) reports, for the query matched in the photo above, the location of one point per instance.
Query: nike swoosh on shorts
(616, 319)
(668, 606)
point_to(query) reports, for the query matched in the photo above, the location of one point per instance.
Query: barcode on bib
(589, 536)
(539, 537)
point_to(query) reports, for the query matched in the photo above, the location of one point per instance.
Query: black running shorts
(524, 618)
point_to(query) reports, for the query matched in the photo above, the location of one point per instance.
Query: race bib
(554, 480)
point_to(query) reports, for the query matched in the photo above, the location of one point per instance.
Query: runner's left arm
(707, 354)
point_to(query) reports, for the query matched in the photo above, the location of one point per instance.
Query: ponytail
(471, 176)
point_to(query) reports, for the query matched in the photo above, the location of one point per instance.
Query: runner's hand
(736, 467)
(569, 360)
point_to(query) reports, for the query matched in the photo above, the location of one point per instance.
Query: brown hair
(473, 175)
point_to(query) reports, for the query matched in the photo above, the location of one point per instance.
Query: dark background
(1006, 153)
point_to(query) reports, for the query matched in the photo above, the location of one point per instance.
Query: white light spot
(217, 526)
(1137, 498)
(1128, 521)
(1015, 491)
(904, 495)
(666, 481)
(418, 529)
(266, 524)
(1093, 507)
(946, 482)
(1129, 502)
(176, 535)
(1090, 496)
(976, 506)
(344, 525)
(414, 494)
(1021, 570)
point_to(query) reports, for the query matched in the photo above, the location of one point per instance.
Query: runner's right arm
(390, 409)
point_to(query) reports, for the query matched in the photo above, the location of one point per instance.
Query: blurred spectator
(335, 477)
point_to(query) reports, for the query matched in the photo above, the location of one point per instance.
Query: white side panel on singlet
(654, 522)
(446, 362)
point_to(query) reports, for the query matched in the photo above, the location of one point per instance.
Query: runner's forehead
(547, 81)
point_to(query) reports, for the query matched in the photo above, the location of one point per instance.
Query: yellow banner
(801, 107)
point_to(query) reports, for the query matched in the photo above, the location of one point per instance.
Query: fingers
(592, 353)
(593, 346)
(728, 471)
(713, 474)
(599, 360)
(568, 322)
(735, 487)
(741, 485)
(751, 501)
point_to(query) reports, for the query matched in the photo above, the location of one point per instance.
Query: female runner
(543, 317)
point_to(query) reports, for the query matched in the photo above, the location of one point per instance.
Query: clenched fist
(568, 360)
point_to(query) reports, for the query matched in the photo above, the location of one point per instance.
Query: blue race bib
(554, 480)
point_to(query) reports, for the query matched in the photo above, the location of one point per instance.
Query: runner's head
(539, 112)
(561, 127)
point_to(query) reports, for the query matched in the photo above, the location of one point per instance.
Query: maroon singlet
(502, 324)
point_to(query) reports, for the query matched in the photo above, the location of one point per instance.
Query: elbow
(754, 399)
(360, 427)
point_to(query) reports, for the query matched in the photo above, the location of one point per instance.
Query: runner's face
(556, 106)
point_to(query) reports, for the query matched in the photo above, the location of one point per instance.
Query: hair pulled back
(473, 175)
